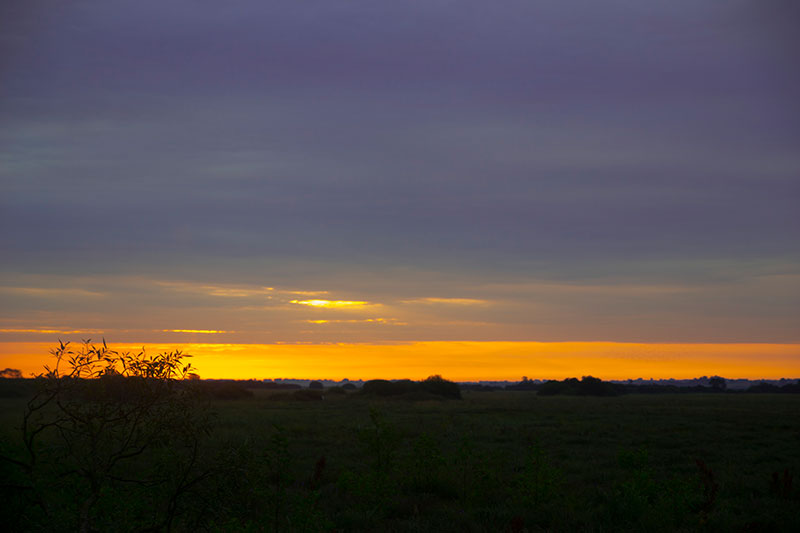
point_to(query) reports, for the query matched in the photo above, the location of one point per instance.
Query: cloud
(205, 331)
(234, 290)
(51, 292)
(387, 321)
(50, 331)
(446, 301)
(563, 170)
(333, 304)
(217, 290)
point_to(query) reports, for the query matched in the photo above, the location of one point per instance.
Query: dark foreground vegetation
(142, 448)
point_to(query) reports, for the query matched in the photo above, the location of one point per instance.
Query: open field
(499, 461)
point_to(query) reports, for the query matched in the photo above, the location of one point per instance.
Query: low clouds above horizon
(481, 171)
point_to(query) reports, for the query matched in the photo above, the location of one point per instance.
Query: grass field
(499, 461)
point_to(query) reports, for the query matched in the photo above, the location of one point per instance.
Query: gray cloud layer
(328, 142)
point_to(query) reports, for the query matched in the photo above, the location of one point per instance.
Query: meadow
(492, 461)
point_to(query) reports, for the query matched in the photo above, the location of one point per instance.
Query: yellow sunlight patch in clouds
(233, 291)
(359, 321)
(461, 361)
(330, 303)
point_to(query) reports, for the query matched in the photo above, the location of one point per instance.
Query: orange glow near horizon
(460, 361)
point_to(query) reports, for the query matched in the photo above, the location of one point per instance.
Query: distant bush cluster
(587, 386)
(592, 386)
(434, 386)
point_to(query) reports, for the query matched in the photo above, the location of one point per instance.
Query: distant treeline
(592, 386)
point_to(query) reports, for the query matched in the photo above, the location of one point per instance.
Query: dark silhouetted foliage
(525, 384)
(10, 373)
(102, 424)
(587, 386)
(383, 387)
(316, 385)
(435, 386)
(441, 387)
(717, 383)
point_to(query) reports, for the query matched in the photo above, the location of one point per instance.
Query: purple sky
(582, 170)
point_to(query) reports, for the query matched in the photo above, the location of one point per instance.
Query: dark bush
(383, 387)
(103, 425)
(591, 386)
(434, 385)
(316, 385)
(441, 387)
(588, 386)
(10, 373)
(717, 383)
(525, 384)
(551, 388)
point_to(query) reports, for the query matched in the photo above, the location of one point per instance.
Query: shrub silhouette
(587, 386)
(441, 387)
(717, 383)
(10, 373)
(434, 385)
(104, 423)
(383, 387)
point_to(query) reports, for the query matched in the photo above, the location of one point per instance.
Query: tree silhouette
(10, 373)
(102, 424)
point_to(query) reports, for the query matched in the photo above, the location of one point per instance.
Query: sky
(490, 188)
